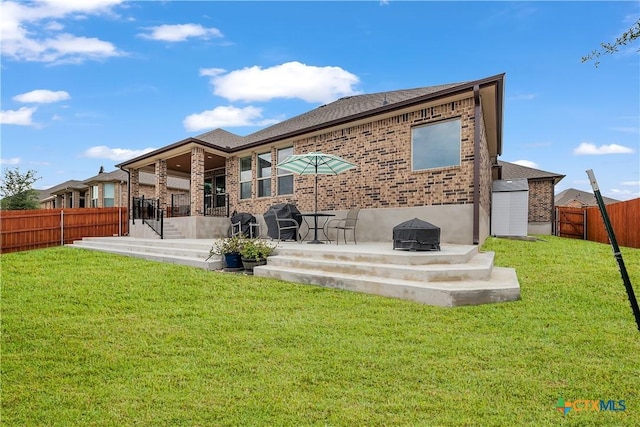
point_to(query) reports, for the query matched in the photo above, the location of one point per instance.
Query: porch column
(75, 198)
(161, 183)
(197, 181)
(134, 175)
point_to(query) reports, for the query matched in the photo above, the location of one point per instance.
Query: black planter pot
(233, 261)
(249, 264)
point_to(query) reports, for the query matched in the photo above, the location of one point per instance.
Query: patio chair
(288, 224)
(344, 224)
(245, 223)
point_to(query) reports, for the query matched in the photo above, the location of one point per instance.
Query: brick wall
(383, 179)
(541, 200)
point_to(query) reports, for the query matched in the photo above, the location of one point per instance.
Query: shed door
(509, 213)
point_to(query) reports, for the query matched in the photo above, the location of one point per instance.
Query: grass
(96, 339)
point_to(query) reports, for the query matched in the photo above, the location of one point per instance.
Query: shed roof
(508, 185)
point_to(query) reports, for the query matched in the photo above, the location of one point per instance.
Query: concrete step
(157, 249)
(179, 251)
(501, 286)
(477, 268)
(449, 254)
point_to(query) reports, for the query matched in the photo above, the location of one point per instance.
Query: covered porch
(201, 164)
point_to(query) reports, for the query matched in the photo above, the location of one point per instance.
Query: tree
(610, 48)
(17, 190)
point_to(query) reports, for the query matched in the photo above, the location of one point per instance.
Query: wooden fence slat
(23, 230)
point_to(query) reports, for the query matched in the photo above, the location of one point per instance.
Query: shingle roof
(583, 197)
(515, 171)
(341, 109)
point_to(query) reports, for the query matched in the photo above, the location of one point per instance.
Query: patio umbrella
(316, 163)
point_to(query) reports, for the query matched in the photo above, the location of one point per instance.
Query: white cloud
(21, 117)
(587, 148)
(631, 183)
(288, 80)
(221, 117)
(211, 72)
(179, 32)
(21, 26)
(118, 154)
(526, 163)
(11, 161)
(42, 96)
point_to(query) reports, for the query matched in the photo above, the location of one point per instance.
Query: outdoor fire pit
(416, 235)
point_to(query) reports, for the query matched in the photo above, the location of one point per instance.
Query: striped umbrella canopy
(316, 163)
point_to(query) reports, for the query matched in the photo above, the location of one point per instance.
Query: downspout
(476, 165)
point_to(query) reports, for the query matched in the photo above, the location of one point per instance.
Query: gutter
(476, 165)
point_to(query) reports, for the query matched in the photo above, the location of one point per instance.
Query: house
(69, 194)
(421, 153)
(106, 189)
(577, 198)
(541, 191)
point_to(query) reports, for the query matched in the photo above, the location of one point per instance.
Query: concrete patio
(456, 275)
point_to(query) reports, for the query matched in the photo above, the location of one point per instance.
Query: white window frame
(282, 173)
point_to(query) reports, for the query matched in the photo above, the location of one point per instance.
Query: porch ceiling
(179, 161)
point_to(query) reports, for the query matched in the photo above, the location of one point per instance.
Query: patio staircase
(191, 252)
(456, 275)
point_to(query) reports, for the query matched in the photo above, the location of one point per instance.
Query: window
(285, 178)
(436, 145)
(264, 175)
(108, 196)
(245, 178)
(94, 196)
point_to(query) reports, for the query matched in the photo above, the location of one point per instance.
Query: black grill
(416, 235)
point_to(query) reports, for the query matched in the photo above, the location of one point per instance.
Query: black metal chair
(343, 224)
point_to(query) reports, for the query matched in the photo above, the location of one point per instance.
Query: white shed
(510, 207)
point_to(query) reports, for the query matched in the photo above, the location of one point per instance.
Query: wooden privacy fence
(624, 216)
(42, 228)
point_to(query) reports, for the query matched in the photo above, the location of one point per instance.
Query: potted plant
(229, 248)
(255, 252)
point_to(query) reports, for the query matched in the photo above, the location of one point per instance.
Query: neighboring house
(541, 191)
(426, 152)
(107, 189)
(69, 194)
(577, 198)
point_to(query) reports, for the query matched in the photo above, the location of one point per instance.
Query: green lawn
(97, 339)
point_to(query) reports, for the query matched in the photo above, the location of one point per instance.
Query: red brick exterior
(541, 200)
(383, 179)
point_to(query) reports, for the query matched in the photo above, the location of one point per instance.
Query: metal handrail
(149, 211)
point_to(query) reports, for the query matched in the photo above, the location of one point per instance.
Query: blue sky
(90, 83)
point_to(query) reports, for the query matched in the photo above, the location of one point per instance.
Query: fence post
(61, 228)
(119, 222)
(616, 250)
